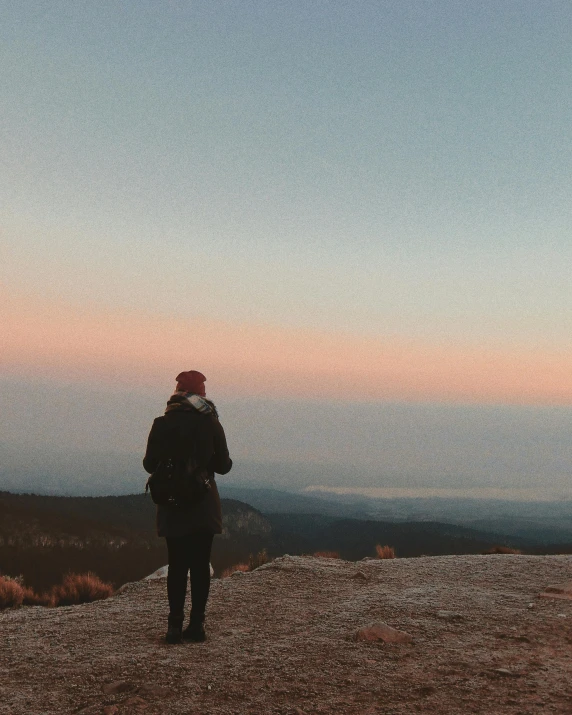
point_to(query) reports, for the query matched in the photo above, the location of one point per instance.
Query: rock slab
(563, 591)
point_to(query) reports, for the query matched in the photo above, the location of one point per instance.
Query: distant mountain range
(43, 537)
(355, 539)
(269, 501)
(548, 523)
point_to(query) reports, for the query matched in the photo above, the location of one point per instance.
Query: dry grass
(31, 598)
(254, 561)
(257, 560)
(75, 588)
(327, 554)
(237, 567)
(11, 592)
(384, 552)
(80, 588)
(502, 550)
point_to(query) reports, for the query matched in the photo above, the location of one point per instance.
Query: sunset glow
(56, 341)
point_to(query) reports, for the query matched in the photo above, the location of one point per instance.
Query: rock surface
(162, 573)
(383, 632)
(282, 641)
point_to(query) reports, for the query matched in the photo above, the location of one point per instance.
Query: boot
(195, 631)
(174, 631)
(174, 635)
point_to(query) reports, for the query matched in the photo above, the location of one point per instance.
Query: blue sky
(424, 140)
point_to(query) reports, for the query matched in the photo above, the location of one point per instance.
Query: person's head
(191, 381)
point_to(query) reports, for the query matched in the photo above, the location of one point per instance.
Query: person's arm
(220, 462)
(153, 454)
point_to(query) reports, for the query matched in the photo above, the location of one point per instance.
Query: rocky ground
(475, 638)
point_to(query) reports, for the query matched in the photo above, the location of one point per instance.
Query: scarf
(185, 401)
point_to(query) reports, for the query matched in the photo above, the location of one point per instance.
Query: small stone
(118, 686)
(505, 673)
(298, 711)
(360, 575)
(110, 710)
(449, 616)
(382, 632)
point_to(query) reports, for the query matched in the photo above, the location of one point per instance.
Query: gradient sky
(320, 200)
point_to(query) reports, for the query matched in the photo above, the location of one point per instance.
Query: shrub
(385, 552)
(502, 550)
(11, 592)
(31, 598)
(327, 554)
(80, 588)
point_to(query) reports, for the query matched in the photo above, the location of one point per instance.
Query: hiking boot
(174, 635)
(195, 631)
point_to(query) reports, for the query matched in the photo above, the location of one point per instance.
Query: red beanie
(191, 381)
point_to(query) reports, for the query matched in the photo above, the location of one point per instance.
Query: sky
(318, 205)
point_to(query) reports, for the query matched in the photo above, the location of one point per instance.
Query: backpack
(178, 481)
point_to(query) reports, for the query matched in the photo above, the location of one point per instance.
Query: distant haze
(65, 439)
(485, 493)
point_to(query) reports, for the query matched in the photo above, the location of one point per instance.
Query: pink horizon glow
(43, 341)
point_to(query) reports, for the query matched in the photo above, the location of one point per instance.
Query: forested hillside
(43, 537)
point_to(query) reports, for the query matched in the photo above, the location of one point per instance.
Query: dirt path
(282, 640)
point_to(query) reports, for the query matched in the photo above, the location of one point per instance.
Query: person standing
(190, 426)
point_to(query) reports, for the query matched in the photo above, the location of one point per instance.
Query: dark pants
(188, 553)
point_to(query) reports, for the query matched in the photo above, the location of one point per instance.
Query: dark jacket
(192, 430)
